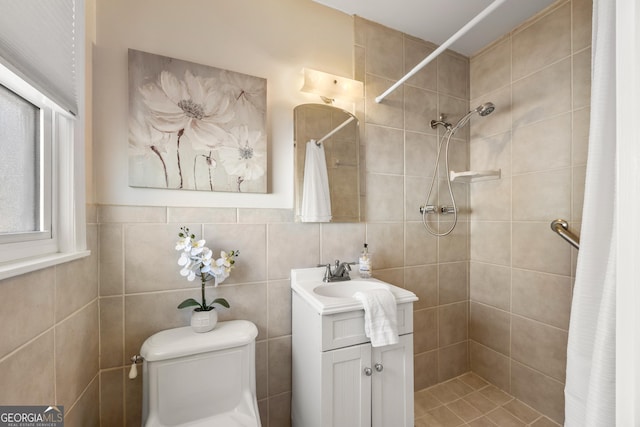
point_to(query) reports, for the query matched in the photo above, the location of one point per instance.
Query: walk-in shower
(482, 110)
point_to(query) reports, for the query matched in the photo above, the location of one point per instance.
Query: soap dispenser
(365, 263)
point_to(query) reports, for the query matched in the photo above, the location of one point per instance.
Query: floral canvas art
(195, 127)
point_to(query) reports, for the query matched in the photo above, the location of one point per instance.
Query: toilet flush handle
(133, 373)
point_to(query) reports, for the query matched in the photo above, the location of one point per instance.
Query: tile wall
(400, 148)
(50, 340)
(521, 273)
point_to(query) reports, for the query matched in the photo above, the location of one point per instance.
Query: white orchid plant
(197, 260)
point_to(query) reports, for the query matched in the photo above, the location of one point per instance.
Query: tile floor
(468, 400)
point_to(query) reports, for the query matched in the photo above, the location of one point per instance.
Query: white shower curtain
(590, 386)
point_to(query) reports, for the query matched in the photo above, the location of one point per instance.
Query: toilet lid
(178, 342)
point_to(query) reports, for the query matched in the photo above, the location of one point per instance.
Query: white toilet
(201, 379)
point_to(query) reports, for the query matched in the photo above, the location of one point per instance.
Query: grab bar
(561, 227)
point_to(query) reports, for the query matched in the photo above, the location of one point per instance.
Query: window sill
(16, 268)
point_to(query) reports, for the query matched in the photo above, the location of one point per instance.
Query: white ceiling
(437, 20)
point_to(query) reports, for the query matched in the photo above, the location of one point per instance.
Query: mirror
(338, 132)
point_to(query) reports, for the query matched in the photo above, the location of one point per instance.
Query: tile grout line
(499, 404)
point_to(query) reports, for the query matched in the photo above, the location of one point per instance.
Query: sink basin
(346, 289)
(337, 297)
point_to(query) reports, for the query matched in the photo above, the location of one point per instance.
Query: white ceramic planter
(203, 321)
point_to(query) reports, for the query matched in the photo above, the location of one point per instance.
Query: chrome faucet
(340, 272)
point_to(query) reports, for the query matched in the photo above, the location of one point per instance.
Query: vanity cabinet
(368, 386)
(340, 380)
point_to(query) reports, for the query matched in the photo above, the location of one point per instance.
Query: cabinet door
(346, 387)
(392, 384)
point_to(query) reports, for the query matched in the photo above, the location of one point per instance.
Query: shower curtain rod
(442, 47)
(340, 126)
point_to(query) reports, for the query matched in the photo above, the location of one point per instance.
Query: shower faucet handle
(428, 209)
(446, 210)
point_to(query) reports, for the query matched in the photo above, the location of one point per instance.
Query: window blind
(37, 42)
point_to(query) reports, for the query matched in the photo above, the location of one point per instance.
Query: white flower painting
(195, 127)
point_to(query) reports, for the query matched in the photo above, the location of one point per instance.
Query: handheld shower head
(483, 110)
(486, 109)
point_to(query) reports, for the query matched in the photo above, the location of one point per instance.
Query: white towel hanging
(316, 198)
(380, 316)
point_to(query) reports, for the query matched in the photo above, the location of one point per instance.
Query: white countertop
(305, 280)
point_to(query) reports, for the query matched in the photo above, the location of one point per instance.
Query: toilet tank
(189, 376)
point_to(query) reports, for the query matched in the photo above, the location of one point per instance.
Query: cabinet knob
(378, 367)
(368, 371)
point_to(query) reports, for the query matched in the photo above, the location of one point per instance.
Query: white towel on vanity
(380, 316)
(316, 199)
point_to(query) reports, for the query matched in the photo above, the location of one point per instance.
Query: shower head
(483, 110)
(486, 109)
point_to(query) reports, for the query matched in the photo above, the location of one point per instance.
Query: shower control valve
(445, 210)
(428, 209)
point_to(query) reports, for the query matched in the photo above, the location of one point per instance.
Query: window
(42, 205)
(25, 172)
(36, 137)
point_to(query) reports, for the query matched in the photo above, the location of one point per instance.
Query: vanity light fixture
(331, 87)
